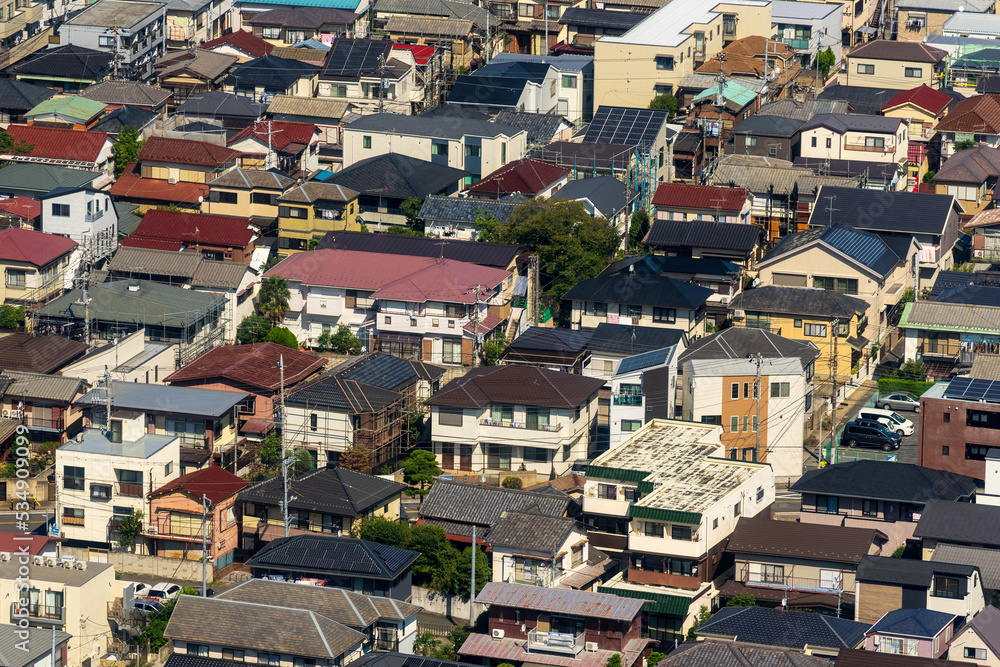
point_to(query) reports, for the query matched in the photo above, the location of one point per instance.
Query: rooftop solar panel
(974, 389)
(644, 360)
(625, 125)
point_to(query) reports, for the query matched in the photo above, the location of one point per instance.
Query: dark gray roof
(466, 504)
(866, 248)
(491, 91)
(335, 393)
(798, 301)
(909, 212)
(946, 280)
(520, 384)
(586, 158)
(498, 255)
(164, 398)
(127, 218)
(801, 111)
(387, 372)
(625, 340)
(906, 571)
(921, 623)
(389, 659)
(337, 491)
(601, 18)
(42, 178)
(20, 96)
(270, 72)
(971, 295)
(606, 193)
(21, 651)
(789, 629)
(353, 58)
(217, 104)
(397, 176)
(961, 523)
(67, 62)
(541, 127)
(710, 266)
(738, 342)
(728, 654)
(532, 531)
(334, 555)
(853, 122)
(463, 209)
(769, 126)
(862, 100)
(551, 339)
(657, 291)
(987, 560)
(903, 482)
(456, 9)
(704, 234)
(189, 660)
(117, 120)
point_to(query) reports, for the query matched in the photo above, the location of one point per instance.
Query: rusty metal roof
(578, 603)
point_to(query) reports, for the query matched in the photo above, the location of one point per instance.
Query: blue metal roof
(645, 360)
(335, 4)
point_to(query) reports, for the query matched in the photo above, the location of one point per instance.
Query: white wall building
(642, 388)
(132, 29)
(83, 214)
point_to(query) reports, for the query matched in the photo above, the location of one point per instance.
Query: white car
(164, 591)
(892, 421)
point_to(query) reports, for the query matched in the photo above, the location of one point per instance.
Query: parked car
(147, 606)
(900, 400)
(869, 434)
(164, 591)
(888, 419)
(874, 423)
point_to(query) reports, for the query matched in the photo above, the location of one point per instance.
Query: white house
(642, 388)
(856, 137)
(83, 214)
(534, 549)
(575, 95)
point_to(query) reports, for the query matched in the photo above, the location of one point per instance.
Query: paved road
(9, 524)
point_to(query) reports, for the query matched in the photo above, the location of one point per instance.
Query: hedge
(915, 387)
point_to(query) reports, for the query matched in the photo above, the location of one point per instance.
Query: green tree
(156, 624)
(382, 530)
(825, 60)
(486, 226)
(11, 317)
(459, 584)
(654, 658)
(411, 209)
(340, 342)
(9, 146)
(704, 613)
(129, 529)
(638, 228)
(964, 144)
(912, 370)
(664, 102)
(437, 556)
(425, 644)
(420, 467)
(253, 329)
(512, 483)
(356, 458)
(614, 661)
(313, 244)
(303, 462)
(282, 336)
(742, 600)
(929, 177)
(492, 350)
(126, 148)
(402, 230)
(273, 298)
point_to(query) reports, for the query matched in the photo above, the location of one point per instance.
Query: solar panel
(625, 125)
(644, 360)
(974, 389)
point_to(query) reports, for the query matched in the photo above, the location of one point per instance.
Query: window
(841, 285)
(439, 148)
(758, 320)
(751, 141)
(976, 452)
(653, 529)
(313, 422)
(715, 522)
(73, 516)
(946, 417)
(829, 142)
(631, 424)
(596, 308)
(827, 504)
(168, 469)
(106, 42)
(772, 574)
(129, 482)
(874, 142)
(536, 454)
(261, 198)
(630, 310)
(866, 69)
(780, 389)
(816, 330)
(568, 81)
(16, 278)
(270, 32)
(607, 491)
(100, 492)
(73, 478)
(736, 507)
(665, 62)
(295, 212)
(914, 72)
(366, 142)
(225, 197)
(797, 324)
(525, 9)
(813, 142)
(729, 25)
(609, 367)
(662, 89)
(746, 423)
(472, 150)
(680, 533)
(746, 390)
(982, 419)
(60, 210)
(190, 525)
(631, 495)
(734, 424)
(450, 416)
(711, 419)
(499, 457)
(503, 153)
(974, 653)
(451, 351)
(734, 392)
(760, 493)
(946, 587)
(236, 654)
(552, 12)
(944, 450)
(869, 508)
(754, 425)
(664, 315)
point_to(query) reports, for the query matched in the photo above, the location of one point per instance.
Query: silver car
(899, 400)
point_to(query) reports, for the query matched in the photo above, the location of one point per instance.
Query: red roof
(526, 176)
(131, 185)
(190, 228)
(151, 244)
(255, 365)
(396, 277)
(214, 482)
(60, 144)
(684, 195)
(37, 248)
(23, 207)
(923, 96)
(244, 41)
(14, 542)
(421, 54)
(282, 133)
(979, 114)
(489, 323)
(186, 151)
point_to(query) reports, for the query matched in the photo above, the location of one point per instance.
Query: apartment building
(134, 30)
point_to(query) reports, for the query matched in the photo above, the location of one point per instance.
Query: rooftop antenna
(829, 207)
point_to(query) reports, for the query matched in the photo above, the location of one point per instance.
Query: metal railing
(507, 423)
(560, 642)
(37, 611)
(627, 399)
(888, 148)
(792, 582)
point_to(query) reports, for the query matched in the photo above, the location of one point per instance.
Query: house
(642, 389)
(553, 348)
(858, 98)
(750, 58)
(389, 625)
(648, 131)
(246, 630)
(916, 19)
(34, 264)
(292, 148)
(886, 584)
(364, 567)
(176, 525)
(899, 65)
(192, 22)
(68, 113)
(971, 120)
(808, 633)
(32, 179)
(18, 98)
(855, 137)
(809, 28)
(977, 640)
(475, 146)
(251, 369)
(331, 500)
(72, 600)
(66, 69)
(105, 476)
(963, 524)
(269, 75)
(918, 632)
(738, 653)
(307, 212)
(858, 658)
(187, 73)
(537, 550)
(983, 230)
(507, 256)
(609, 344)
(803, 566)
(924, 107)
(240, 43)
(325, 114)
(456, 218)
(575, 94)
(550, 626)
(542, 129)
(737, 243)
(371, 75)
(664, 501)
(581, 27)
(83, 150)
(776, 375)
(971, 24)
(984, 559)
(142, 120)
(684, 201)
(43, 355)
(477, 418)
(238, 191)
(970, 176)
(136, 26)
(36, 649)
(291, 26)
(130, 357)
(589, 160)
(936, 333)
(712, 115)
(767, 135)
(508, 86)
(83, 214)
(869, 494)
(45, 404)
(215, 237)
(22, 212)
(526, 176)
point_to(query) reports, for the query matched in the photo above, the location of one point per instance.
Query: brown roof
(861, 658)
(754, 46)
(978, 115)
(212, 483)
(186, 151)
(884, 49)
(38, 354)
(255, 365)
(43, 387)
(200, 63)
(802, 540)
(523, 385)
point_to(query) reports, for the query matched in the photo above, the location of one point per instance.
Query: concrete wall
(152, 566)
(451, 606)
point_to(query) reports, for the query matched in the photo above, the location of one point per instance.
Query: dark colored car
(874, 423)
(865, 435)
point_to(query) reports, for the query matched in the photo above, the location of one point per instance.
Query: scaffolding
(964, 68)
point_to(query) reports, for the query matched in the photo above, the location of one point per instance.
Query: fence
(449, 606)
(152, 566)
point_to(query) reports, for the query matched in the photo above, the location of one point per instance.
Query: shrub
(889, 385)
(512, 483)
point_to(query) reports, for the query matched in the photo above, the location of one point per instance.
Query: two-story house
(896, 65)
(575, 94)
(268, 76)
(700, 239)
(45, 354)
(970, 121)
(66, 148)
(280, 27)
(372, 75)
(970, 176)
(685, 201)
(856, 137)
(45, 404)
(514, 418)
(528, 548)
(291, 148)
(977, 640)
(918, 632)
(247, 192)
(917, 19)
(310, 210)
(215, 237)
(35, 265)
(83, 214)
(643, 388)
(804, 632)
(527, 176)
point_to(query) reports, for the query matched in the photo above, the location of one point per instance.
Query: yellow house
(311, 210)
(33, 264)
(894, 65)
(918, 19)
(653, 57)
(247, 193)
(924, 107)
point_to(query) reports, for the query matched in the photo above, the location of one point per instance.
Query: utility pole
(720, 100)
(472, 584)
(757, 360)
(475, 327)
(381, 81)
(204, 546)
(833, 394)
(830, 209)
(281, 443)
(533, 306)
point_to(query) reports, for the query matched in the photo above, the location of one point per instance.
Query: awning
(7, 427)
(867, 30)
(521, 286)
(858, 342)
(916, 152)
(259, 426)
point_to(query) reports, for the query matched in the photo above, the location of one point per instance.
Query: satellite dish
(201, 199)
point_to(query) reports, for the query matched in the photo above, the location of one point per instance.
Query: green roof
(77, 108)
(619, 474)
(657, 514)
(42, 178)
(671, 605)
(732, 91)
(128, 220)
(153, 304)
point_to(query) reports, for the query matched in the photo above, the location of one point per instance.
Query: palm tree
(274, 297)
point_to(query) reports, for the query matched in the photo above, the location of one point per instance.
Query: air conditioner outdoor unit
(50, 561)
(591, 647)
(81, 565)
(4, 556)
(154, 530)
(66, 564)
(15, 414)
(172, 180)
(38, 560)
(497, 633)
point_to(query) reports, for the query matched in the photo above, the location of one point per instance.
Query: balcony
(38, 614)
(797, 43)
(50, 424)
(793, 583)
(627, 399)
(73, 520)
(555, 642)
(607, 540)
(93, 217)
(664, 545)
(664, 579)
(507, 423)
(21, 19)
(870, 149)
(605, 506)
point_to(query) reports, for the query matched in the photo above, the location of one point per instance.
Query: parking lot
(907, 452)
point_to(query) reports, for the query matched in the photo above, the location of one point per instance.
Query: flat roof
(111, 13)
(68, 576)
(666, 26)
(93, 441)
(163, 398)
(802, 10)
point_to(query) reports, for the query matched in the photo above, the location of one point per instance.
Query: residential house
(886, 584)
(581, 27)
(734, 653)
(898, 65)
(553, 348)
(768, 135)
(292, 148)
(477, 147)
(507, 256)
(309, 211)
(269, 75)
(973, 24)
(389, 625)
(215, 237)
(799, 565)
(809, 633)
(41, 354)
(764, 421)
(665, 501)
(809, 28)
(970, 176)
(918, 632)
(240, 191)
(983, 230)
(22, 212)
(916, 19)
(141, 120)
(121, 27)
(575, 94)
(34, 264)
(18, 98)
(187, 73)
(325, 114)
(530, 87)
(251, 369)
(455, 217)
(438, 24)
(969, 122)
(924, 107)
(371, 75)
(984, 559)
(713, 113)
(537, 550)
(44, 404)
(684, 201)
(722, 277)
(83, 150)
(130, 357)
(291, 26)
(977, 640)
(549, 626)
(966, 71)
(478, 417)
(36, 650)
(963, 524)
(202, 420)
(31, 180)
(747, 59)
(67, 113)
(83, 214)
(177, 521)
(66, 69)
(642, 389)
(702, 239)
(856, 137)
(869, 494)
(105, 473)
(610, 344)
(73, 600)
(589, 160)
(189, 23)
(240, 43)
(328, 500)
(527, 176)
(858, 658)
(246, 630)
(364, 567)
(542, 129)
(940, 334)
(647, 131)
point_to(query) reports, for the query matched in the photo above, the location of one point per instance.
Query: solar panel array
(644, 360)
(352, 57)
(974, 389)
(625, 125)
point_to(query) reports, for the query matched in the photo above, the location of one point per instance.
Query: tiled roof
(531, 531)
(202, 228)
(398, 176)
(339, 394)
(127, 93)
(986, 560)
(337, 491)
(315, 107)
(207, 65)
(116, 121)
(685, 195)
(216, 104)
(69, 61)
(527, 176)
(962, 523)
(212, 482)
(25, 208)
(539, 127)
(523, 385)
(945, 316)
(647, 290)
(861, 658)
(922, 96)
(907, 571)
(28, 353)
(629, 340)
(59, 144)
(386, 371)
(498, 255)
(444, 127)
(244, 41)
(974, 166)
(312, 191)
(853, 122)
(601, 18)
(704, 234)
(446, 8)
(186, 151)
(790, 629)
(884, 49)
(714, 654)
(979, 114)
(737, 342)
(457, 209)
(810, 541)
(911, 212)
(865, 248)
(765, 175)
(20, 95)
(43, 387)
(138, 260)
(270, 72)
(305, 17)
(576, 603)
(429, 25)
(905, 482)
(29, 646)
(283, 133)
(43, 178)
(608, 195)
(798, 301)
(248, 178)
(331, 554)
(131, 185)
(254, 365)
(919, 623)
(466, 504)
(31, 247)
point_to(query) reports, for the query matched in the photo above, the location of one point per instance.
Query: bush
(253, 329)
(742, 601)
(282, 336)
(512, 483)
(889, 385)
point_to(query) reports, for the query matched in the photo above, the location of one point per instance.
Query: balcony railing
(507, 423)
(889, 148)
(794, 583)
(797, 43)
(32, 421)
(37, 612)
(627, 399)
(93, 217)
(555, 642)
